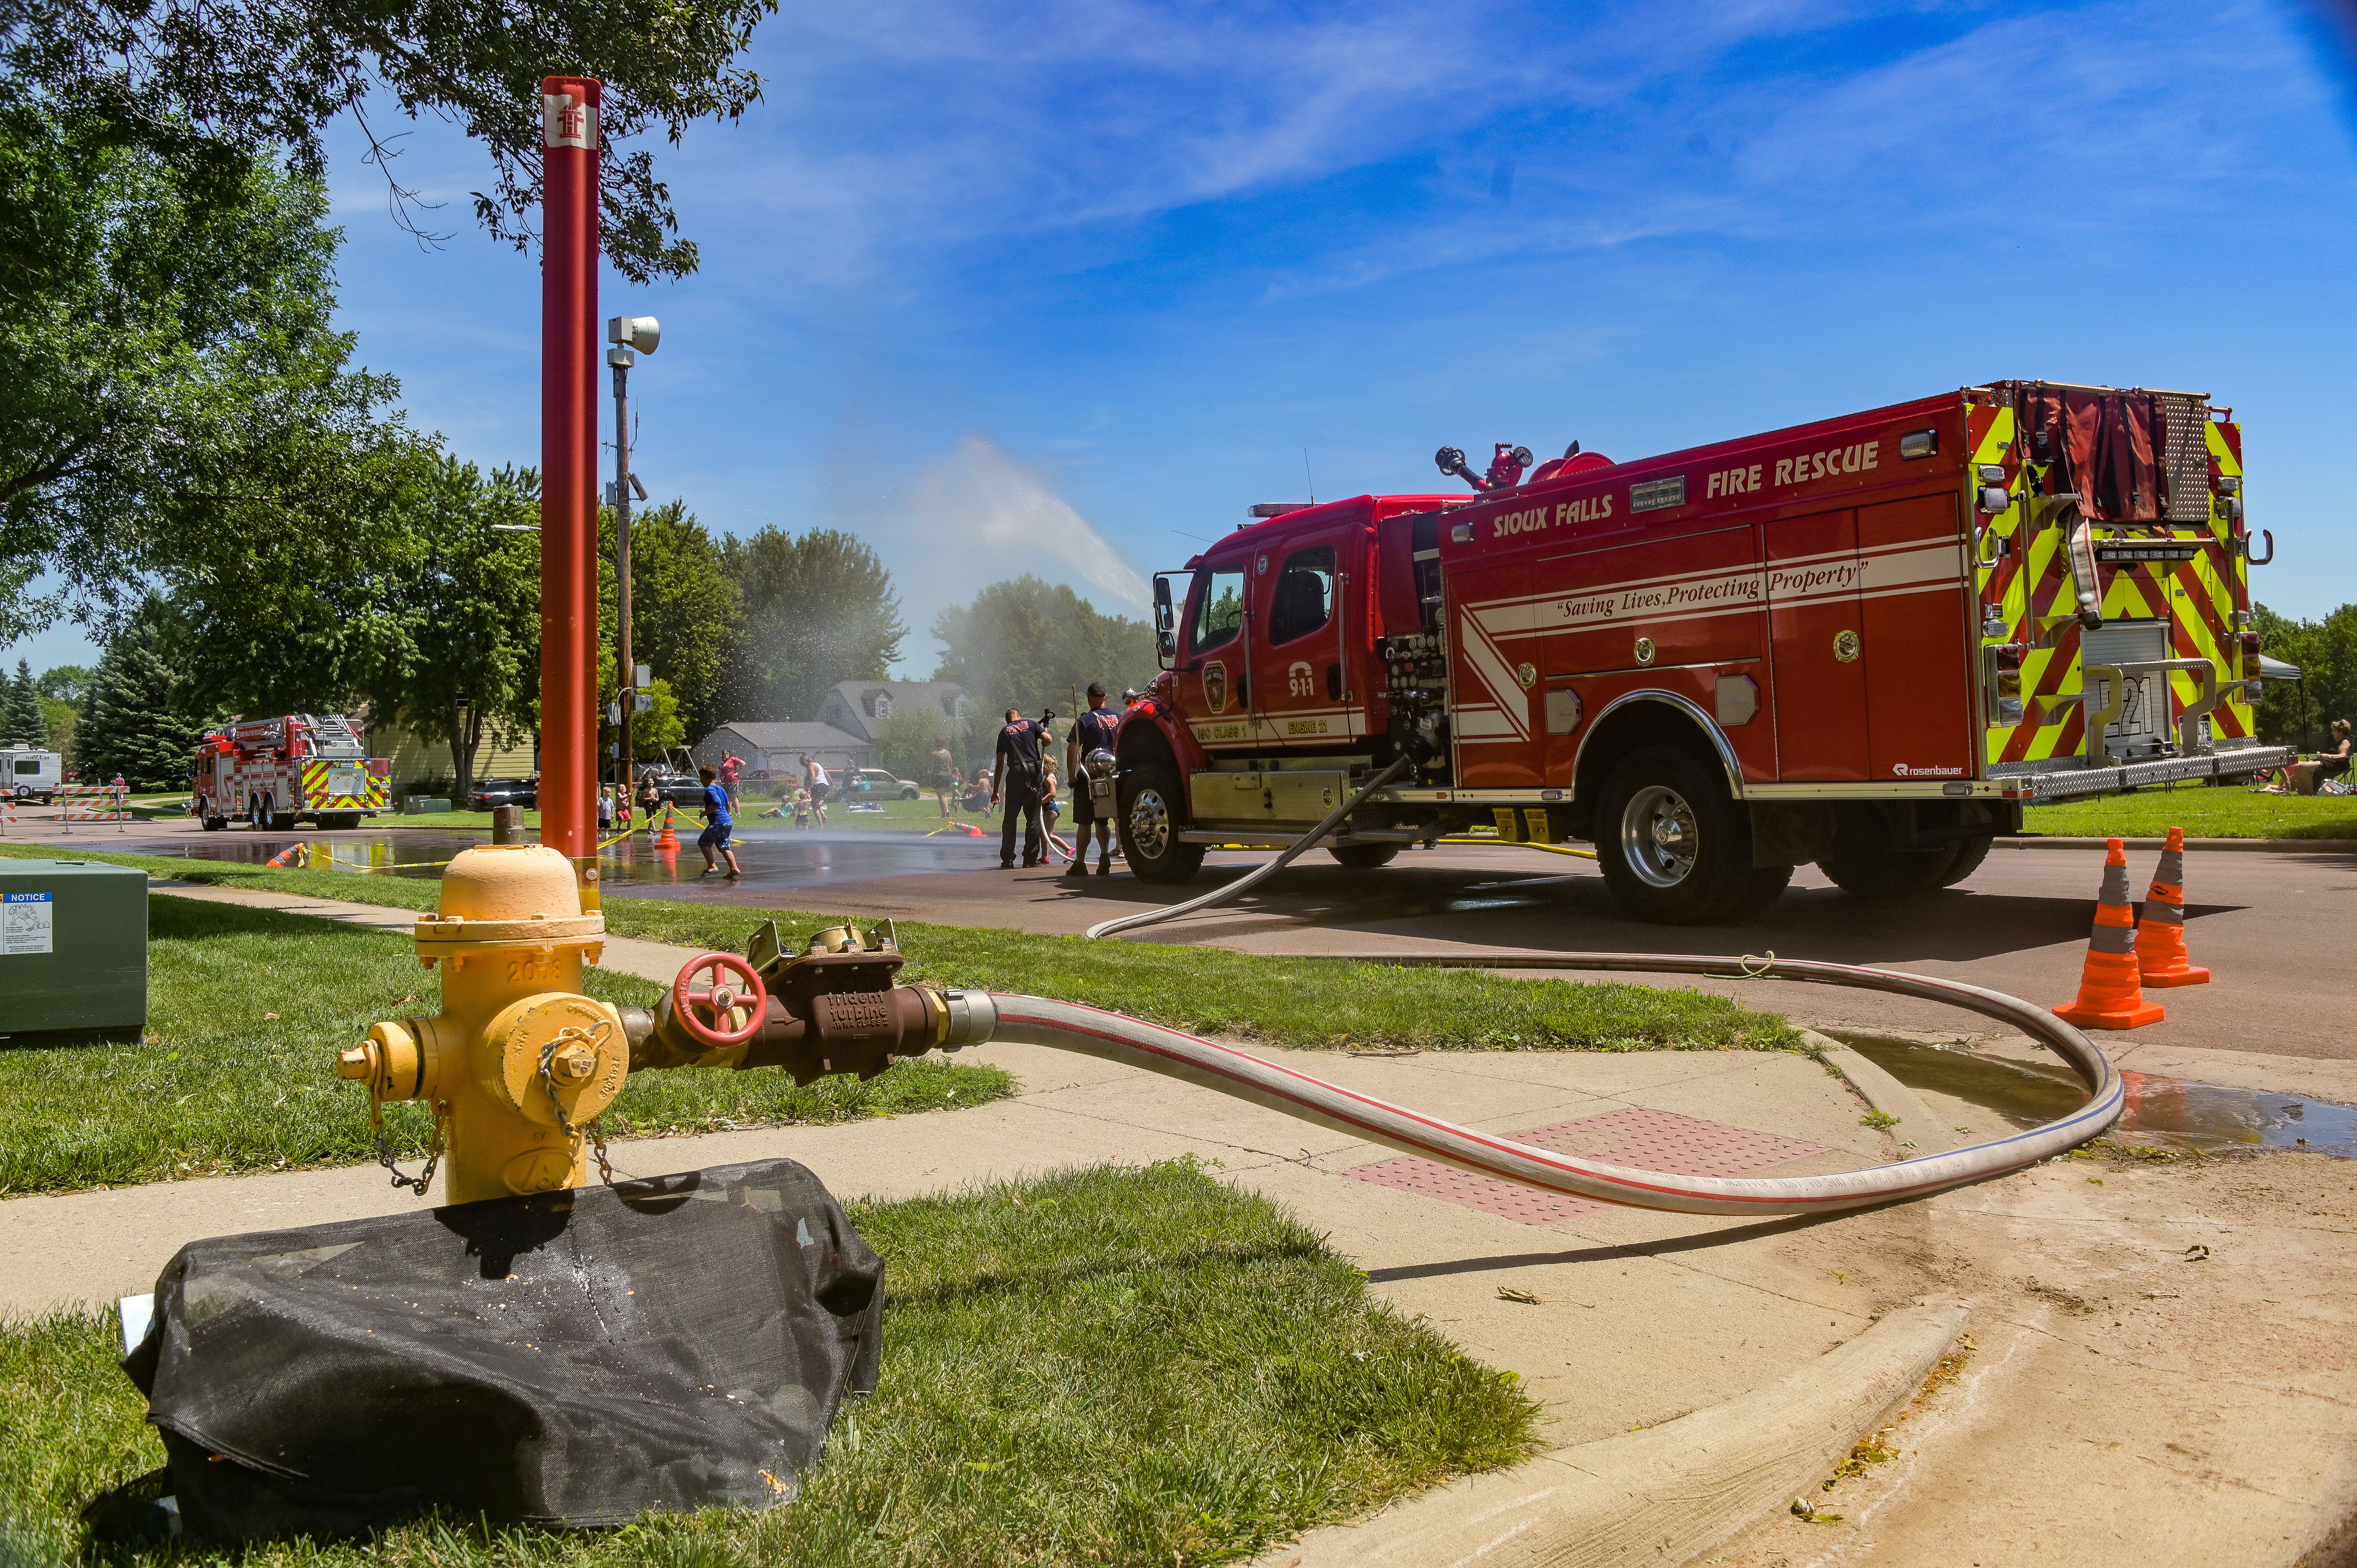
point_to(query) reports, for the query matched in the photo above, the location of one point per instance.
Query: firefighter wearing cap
(1015, 777)
(1091, 738)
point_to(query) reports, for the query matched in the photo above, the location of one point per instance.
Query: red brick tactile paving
(1638, 1137)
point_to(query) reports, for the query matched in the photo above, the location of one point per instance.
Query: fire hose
(974, 1016)
(1259, 874)
(1174, 1053)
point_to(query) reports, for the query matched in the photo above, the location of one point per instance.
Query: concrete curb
(2247, 847)
(1664, 1494)
(1919, 1132)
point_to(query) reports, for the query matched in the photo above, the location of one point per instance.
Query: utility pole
(629, 333)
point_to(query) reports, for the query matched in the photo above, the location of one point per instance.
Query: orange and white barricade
(93, 803)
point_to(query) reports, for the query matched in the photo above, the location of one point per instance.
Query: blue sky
(1065, 286)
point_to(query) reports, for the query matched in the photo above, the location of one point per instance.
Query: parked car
(491, 792)
(682, 789)
(875, 783)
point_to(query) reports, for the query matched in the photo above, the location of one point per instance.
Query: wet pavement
(2273, 926)
(2161, 1111)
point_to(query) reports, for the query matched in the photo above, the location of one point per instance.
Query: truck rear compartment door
(1816, 630)
(2145, 719)
(1915, 649)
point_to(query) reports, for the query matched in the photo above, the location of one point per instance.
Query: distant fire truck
(273, 772)
(1865, 643)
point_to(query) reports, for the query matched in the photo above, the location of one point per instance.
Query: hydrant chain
(417, 1184)
(579, 1046)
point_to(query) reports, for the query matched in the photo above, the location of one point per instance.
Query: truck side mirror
(1166, 636)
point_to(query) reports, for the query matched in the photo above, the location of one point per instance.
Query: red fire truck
(1865, 642)
(272, 772)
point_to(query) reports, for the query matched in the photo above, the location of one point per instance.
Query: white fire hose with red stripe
(975, 1017)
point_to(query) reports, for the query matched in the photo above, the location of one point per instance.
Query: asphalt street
(2273, 928)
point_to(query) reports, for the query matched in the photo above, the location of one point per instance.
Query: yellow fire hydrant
(520, 1064)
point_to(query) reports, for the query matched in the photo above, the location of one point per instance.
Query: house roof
(768, 737)
(856, 700)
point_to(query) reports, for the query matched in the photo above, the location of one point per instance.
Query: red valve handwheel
(717, 1001)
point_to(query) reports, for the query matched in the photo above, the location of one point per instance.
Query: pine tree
(131, 728)
(20, 716)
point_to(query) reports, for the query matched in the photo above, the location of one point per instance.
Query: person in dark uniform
(1016, 778)
(1092, 731)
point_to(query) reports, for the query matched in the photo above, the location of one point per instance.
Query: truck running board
(1286, 841)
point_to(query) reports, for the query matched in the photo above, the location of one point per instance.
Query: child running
(717, 823)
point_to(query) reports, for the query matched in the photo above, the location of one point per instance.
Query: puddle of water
(2163, 1113)
(403, 855)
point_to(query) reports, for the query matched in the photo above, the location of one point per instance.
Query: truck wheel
(907, 794)
(1970, 852)
(215, 824)
(1878, 873)
(1153, 811)
(1672, 846)
(1364, 856)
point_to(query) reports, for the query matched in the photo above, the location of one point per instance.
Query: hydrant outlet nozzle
(353, 1061)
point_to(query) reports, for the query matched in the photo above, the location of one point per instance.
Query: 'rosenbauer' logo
(1904, 771)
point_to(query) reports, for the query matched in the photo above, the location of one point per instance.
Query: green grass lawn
(1106, 1366)
(235, 1071)
(2202, 812)
(1301, 1002)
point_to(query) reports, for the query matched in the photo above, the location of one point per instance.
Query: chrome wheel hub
(1658, 836)
(1149, 825)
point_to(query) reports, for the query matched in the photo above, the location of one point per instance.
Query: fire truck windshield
(1220, 612)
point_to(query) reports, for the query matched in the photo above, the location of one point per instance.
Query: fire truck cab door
(1210, 674)
(1304, 620)
(1816, 630)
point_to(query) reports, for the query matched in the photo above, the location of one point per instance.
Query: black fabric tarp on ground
(573, 1358)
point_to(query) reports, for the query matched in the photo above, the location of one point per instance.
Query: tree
(216, 85)
(905, 741)
(22, 723)
(652, 733)
(817, 609)
(177, 403)
(1026, 644)
(685, 608)
(467, 602)
(135, 727)
(2301, 712)
(69, 683)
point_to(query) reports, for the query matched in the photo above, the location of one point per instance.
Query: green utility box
(73, 945)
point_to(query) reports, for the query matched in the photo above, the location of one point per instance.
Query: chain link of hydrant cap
(590, 1037)
(417, 1184)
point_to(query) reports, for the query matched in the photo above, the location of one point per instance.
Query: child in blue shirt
(717, 823)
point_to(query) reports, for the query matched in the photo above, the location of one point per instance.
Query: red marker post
(568, 474)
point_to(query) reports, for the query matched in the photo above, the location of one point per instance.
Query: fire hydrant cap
(508, 893)
(511, 882)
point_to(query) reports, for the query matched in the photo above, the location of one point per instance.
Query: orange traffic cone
(669, 839)
(2110, 995)
(2160, 934)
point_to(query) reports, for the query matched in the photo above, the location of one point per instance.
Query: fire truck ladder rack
(1110, 1037)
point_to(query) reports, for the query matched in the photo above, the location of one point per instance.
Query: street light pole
(629, 333)
(619, 357)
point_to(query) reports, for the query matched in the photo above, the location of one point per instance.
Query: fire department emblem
(1845, 646)
(1215, 687)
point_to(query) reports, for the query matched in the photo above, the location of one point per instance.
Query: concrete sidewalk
(1445, 1256)
(2125, 1396)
